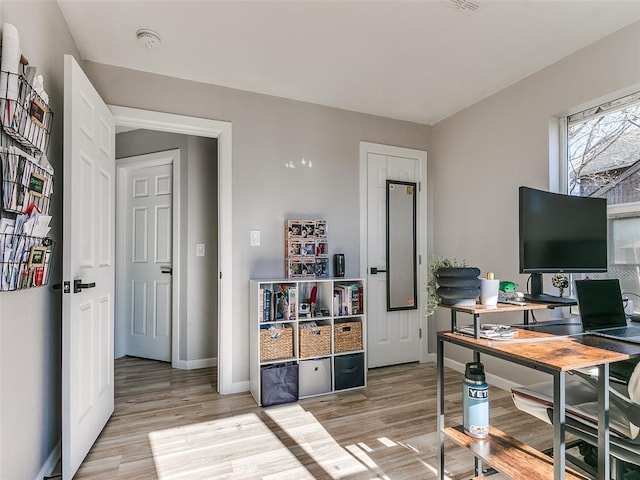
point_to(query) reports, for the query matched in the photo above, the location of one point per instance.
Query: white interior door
(148, 210)
(392, 337)
(88, 257)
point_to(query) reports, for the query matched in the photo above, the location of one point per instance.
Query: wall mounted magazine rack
(25, 261)
(24, 182)
(26, 177)
(26, 117)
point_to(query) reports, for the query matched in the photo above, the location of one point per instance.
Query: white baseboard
(494, 380)
(239, 387)
(195, 364)
(52, 461)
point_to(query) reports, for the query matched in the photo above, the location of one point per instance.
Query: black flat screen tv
(561, 233)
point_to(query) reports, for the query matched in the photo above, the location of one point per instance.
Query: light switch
(255, 238)
(199, 249)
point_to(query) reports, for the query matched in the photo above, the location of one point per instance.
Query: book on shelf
(265, 310)
(347, 299)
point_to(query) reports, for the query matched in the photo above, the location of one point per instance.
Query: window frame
(564, 123)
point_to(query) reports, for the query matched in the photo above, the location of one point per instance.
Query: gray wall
(482, 155)
(199, 224)
(202, 272)
(30, 321)
(267, 133)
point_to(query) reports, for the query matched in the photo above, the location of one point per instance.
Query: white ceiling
(414, 60)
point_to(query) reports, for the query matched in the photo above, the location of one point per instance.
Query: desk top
(551, 352)
(500, 308)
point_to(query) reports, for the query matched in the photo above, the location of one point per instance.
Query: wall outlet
(199, 249)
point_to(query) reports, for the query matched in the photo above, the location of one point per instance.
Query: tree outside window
(603, 153)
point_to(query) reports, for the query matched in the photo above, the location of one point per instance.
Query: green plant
(435, 263)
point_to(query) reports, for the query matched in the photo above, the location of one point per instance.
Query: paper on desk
(491, 331)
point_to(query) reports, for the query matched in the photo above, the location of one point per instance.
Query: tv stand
(549, 299)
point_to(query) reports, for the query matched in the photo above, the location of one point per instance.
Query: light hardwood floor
(171, 424)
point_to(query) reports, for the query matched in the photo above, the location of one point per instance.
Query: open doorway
(164, 228)
(200, 131)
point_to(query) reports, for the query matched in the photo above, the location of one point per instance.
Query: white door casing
(392, 337)
(88, 255)
(145, 202)
(222, 131)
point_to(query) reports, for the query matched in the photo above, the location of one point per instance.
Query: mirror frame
(413, 245)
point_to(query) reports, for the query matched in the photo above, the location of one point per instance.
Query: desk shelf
(548, 354)
(509, 456)
(477, 310)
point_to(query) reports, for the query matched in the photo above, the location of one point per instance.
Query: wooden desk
(551, 354)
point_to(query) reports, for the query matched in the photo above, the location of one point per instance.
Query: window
(603, 160)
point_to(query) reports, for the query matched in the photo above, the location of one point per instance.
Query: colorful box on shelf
(306, 248)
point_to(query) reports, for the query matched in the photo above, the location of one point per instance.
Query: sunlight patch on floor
(303, 428)
(283, 442)
(241, 444)
(434, 470)
(386, 442)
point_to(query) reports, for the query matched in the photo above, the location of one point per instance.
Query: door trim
(421, 156)
(167, 122)
(123, 167)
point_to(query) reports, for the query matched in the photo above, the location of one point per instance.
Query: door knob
(166, 269)
(375, 271)
(78, 285)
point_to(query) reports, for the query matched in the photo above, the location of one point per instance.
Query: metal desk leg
(476, 355)
(440, 406)
(559, 401)
(478, 467)
(526, 317)
(454, 321)
(604, 466)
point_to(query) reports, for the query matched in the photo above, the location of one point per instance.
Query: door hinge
(420, 333)
(419, 186)
(420, 259)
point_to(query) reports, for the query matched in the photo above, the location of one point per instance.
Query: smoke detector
(148, 38)
(467, 5)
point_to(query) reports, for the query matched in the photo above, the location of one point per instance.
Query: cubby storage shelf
(327, 337)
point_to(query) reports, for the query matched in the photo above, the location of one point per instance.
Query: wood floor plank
(172, 425)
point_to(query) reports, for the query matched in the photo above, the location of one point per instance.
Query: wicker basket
(276, 343)
(315, 341)
(347, 336)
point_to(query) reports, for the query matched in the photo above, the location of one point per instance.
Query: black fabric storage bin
(349, 371)
(279, 384)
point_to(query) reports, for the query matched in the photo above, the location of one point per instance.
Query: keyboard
(622, 332)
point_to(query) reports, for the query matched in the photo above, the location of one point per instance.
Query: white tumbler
(489, 292)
